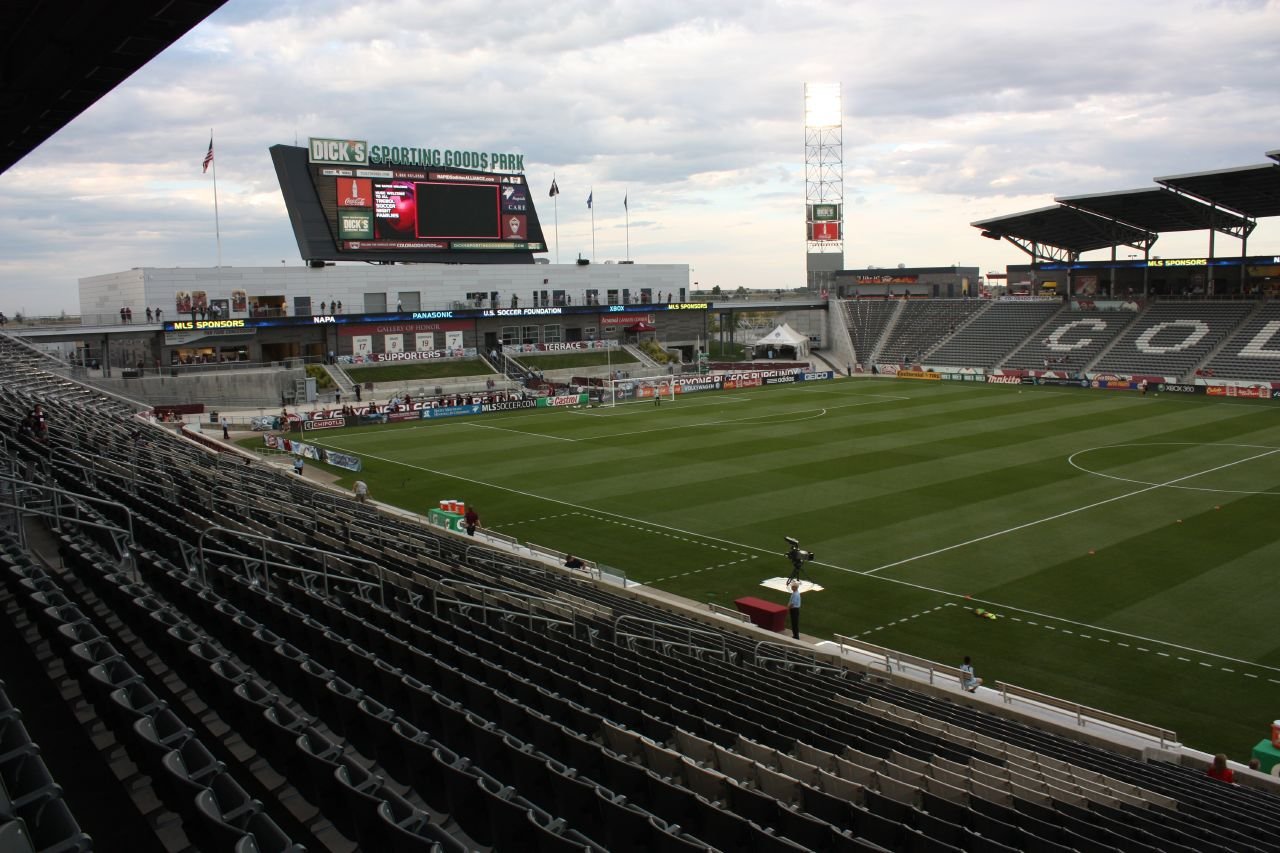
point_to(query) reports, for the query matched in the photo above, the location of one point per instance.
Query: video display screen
(428, 211)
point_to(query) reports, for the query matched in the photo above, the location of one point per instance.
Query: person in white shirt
(969, 681)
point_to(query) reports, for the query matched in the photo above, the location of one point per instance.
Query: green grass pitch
(1125, 541)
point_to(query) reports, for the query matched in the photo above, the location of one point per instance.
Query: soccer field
(1124, 540)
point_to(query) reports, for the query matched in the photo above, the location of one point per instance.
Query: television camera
(798, 557)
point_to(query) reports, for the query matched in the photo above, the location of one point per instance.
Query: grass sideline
(1123, 540)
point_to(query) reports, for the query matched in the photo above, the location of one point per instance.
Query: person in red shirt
(471, 520)
(1219, 769)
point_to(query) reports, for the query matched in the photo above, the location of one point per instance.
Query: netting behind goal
(642, 389)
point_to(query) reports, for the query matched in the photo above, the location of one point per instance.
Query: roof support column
(1244, 253)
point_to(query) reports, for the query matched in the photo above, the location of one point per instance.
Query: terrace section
(993, 334)
(1172, 338)
(1070, 341)
(924, 323)
(1253, 352)
(867, 320)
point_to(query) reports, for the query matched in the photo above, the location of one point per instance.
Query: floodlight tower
(823, 184)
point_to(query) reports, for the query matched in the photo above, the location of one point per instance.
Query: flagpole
(556, 199)
(217, 228)
(627, 208)
(590, 204)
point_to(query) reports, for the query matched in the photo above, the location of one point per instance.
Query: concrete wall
(246, 388)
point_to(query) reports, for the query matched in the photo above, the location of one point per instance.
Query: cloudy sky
(952, 113)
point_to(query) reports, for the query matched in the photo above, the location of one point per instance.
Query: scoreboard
(427, 210)
(391, 212)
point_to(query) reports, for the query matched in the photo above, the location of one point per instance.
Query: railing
(248, 562)
(896, 660)
(721, 610)
(681, 635)
(1084, 714)
(792, 658)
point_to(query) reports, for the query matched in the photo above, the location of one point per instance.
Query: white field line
(780, 555)
(517, 431)
(1055, 517)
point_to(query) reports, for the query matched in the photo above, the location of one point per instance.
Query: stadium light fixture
(822, 105)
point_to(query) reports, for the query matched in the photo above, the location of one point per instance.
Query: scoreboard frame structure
(354, 212)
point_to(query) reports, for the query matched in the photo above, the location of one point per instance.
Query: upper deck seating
(1171, 338)
(923, 323)
(1071, 340)
(993, 334)
(1253, 352)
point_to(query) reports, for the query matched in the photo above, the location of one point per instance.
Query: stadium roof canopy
(1251, 190)
(1226, 200)
(1159, 210)
(60, 58)
(1058, 232)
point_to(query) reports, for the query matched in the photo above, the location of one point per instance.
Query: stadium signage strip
(358, 152)
(409, 316)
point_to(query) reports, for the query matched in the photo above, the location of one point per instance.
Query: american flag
(208, 158)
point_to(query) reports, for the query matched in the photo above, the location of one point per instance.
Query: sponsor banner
(1114, 385)
(467, 352)
(919, 374)
(567, 346)
(964, 377)
(452, 411)
(949, 369)
(614, 321)
(509, 405)
(743, 381)
(562, 400)
(1062, 382)
(324, 423)
(1004, 380)
(343, 460)
(1251, 392)
(1106, 305)
(1179, 389)
(887, 369)
(692, 384)
(778, 380)
(815, 377)
(393, 417)
(353, 329)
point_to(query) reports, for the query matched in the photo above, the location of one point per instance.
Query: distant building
(911, 282)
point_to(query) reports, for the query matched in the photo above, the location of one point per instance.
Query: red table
(766, 614)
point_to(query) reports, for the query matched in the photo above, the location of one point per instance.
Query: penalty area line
(1059, 515)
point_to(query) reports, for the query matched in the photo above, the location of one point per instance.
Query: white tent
(783, 338)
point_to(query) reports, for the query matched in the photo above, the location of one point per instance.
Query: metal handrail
(267, 563)
(619, 635)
